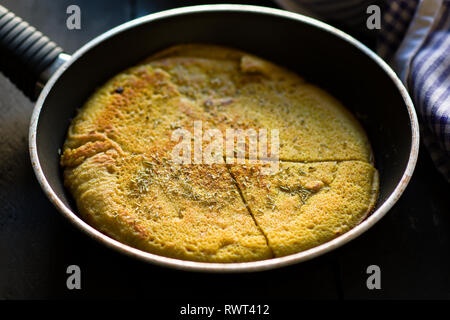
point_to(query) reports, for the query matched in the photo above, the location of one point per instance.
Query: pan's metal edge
(227, 267)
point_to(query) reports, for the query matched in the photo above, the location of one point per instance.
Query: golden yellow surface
(118, 167)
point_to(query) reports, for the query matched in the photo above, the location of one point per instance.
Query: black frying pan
(323, 55)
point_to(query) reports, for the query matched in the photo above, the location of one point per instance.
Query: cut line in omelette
(307, 204)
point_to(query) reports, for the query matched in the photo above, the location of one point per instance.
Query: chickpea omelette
(118, 164)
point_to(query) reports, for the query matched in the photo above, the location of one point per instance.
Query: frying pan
(322, 54)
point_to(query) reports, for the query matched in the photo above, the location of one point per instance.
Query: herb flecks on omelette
(118, 167)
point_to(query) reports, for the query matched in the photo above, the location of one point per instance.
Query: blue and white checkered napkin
(415, 40)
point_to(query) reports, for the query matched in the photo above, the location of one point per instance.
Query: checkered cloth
(415, 40)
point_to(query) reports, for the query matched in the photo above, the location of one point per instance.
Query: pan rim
(226, 267)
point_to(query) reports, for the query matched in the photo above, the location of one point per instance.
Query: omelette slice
(240, 91)
(307, 204)
(186, 213)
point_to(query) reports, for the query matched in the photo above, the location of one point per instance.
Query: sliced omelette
(118, 159)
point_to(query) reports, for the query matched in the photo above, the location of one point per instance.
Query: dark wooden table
(411, 244)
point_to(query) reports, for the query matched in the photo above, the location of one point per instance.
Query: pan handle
(27, 57)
